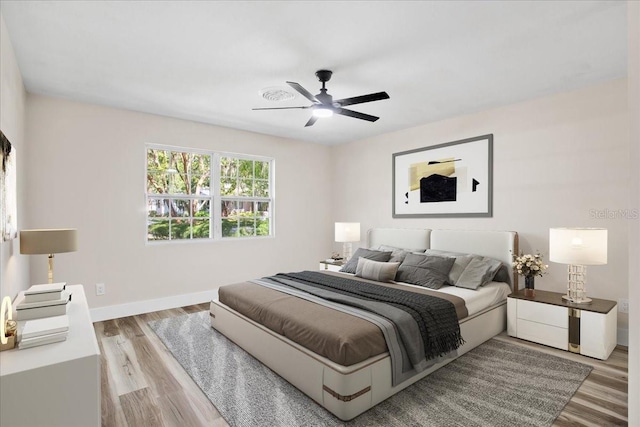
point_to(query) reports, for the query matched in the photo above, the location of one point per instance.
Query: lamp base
(11, 343)
(576, 289)
(346, 250)
(585, 300)
(50, 273)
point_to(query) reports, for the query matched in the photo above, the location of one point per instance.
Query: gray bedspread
(419, 330)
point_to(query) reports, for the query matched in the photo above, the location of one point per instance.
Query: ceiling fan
(324, 105)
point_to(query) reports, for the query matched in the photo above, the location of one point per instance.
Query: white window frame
(215, 197)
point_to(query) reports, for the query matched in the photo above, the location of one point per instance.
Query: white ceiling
(207, 61)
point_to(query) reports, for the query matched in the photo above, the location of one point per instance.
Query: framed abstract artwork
(8, 195)
(454, 179)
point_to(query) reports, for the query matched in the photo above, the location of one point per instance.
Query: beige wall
(14, 273)
(555, 160)
(634, 193)
(87, 167)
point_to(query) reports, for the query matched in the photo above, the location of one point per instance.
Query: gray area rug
(495, 384)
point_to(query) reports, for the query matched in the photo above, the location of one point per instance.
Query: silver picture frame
(450, 180)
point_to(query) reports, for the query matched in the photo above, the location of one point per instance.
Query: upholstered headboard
(500, 245)
(407, 238)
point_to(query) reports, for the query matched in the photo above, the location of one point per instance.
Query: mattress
(338, 336)
(486, 296)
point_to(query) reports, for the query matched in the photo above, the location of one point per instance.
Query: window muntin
(180, 195)
(245, 218)
(245, 207)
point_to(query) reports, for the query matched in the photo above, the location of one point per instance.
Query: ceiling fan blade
(355, 114)
(311, 121)
(281, 108)
(304, 92)
(362, 99)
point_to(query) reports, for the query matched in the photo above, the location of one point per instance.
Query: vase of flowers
(529, 266)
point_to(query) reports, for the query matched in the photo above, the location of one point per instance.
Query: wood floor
(143, 385)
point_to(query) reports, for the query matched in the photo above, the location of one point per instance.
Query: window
(246, 202)
(193, 194)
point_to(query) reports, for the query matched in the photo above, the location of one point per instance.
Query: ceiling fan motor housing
(324, 75)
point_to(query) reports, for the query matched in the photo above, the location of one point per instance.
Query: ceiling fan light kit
(323, 104)
(322, 112)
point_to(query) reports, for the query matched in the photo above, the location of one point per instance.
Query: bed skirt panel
(345, 391)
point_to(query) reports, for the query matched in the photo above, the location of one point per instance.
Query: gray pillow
(480, 271)
(462, 260)
(397, 254)
(350, 266)
(503, 275)
(423, 270)
(378, 271)
(438, 252)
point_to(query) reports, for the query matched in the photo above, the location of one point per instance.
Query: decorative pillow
(423, 270)
(503, 275)
(462, 260)
(350, 266)
(480, 271)
(378, 271)
(459, 265)
(397, 254)
(438, 252)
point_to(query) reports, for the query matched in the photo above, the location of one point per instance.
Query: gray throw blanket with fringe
(424, 328)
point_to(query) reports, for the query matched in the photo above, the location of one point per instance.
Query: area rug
(495, 384)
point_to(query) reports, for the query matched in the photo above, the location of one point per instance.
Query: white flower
(529, 265)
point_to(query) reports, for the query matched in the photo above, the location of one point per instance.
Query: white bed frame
(347, 391)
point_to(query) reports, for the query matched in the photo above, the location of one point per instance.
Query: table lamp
(347, 232)
(578, 247)
(50, 242)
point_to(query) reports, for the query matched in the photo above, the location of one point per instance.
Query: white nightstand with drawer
(331, 266)
(588, 329)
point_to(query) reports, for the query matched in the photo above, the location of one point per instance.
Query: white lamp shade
(54, 241)
(578, 246)
(347, 231)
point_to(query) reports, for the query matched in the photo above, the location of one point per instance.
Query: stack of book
(43, 301)
(43, 331)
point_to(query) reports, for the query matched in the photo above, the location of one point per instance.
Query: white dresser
(55, 384)
(588, 329)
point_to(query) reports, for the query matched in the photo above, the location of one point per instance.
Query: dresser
(55, 384)
(587, 329)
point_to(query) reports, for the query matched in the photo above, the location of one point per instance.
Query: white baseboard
(623, 337)
(139, 307)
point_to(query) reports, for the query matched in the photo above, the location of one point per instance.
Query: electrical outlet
(623, 305)
(101, 289)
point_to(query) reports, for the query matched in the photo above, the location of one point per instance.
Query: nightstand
(330, 266)
(587, 329)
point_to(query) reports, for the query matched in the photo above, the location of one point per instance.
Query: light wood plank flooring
(143, 385)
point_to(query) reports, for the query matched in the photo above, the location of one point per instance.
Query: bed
(347, 388)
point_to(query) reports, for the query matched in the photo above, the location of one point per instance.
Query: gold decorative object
(8, 326)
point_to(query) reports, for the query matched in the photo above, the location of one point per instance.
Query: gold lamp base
(11, 343)
(50, 275)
